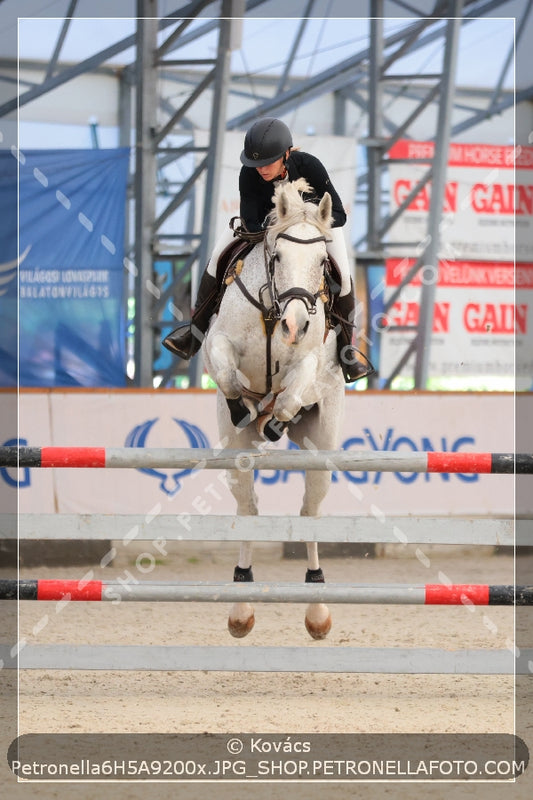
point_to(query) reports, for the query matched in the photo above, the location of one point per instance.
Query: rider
(268, 158)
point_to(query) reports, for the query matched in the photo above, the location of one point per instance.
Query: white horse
(273, 357)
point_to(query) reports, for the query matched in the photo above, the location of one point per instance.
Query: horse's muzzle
(294, 321)
(293, 332)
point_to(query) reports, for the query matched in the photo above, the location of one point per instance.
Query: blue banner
(72, 313)
(8, 269)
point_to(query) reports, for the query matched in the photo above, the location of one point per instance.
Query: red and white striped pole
(386, 594)
(343, 460)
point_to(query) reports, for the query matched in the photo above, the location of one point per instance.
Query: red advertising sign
(480, 325)
(488, 202)
(482, 308)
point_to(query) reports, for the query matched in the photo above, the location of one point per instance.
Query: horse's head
(297, 239)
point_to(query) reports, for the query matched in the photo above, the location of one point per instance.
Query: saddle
(237, 250)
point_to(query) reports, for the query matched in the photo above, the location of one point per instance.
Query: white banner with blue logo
(375, 421)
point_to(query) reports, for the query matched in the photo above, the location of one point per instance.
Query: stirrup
(354, 370)
(182, 342)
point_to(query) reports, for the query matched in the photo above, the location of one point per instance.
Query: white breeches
(224, 240)
(336, 249)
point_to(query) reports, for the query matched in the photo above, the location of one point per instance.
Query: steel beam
(374, 146)
(228, 40)
(440, 167)
(145, 181)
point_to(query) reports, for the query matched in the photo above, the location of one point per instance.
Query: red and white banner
(488, 203)
(480, 326)
(482, 316)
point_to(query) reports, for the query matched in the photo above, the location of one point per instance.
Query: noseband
(272, 313)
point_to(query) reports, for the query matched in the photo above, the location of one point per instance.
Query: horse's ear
(324, 209)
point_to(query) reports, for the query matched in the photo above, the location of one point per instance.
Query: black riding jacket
(256, 193)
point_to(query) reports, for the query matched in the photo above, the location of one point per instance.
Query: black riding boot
(352, 368)
(187, 338)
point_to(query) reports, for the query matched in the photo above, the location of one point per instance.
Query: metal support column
(440, 164)
(229, 32)
(339, 114)
(145, 180)
(125, 108)
(374, 145)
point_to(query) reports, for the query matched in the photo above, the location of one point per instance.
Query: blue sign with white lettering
(70, 273)
(8, 269)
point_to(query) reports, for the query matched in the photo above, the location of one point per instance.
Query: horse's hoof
(318, 631)
(239, 628)
(318, 623)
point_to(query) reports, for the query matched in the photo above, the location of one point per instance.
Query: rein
(271, 314)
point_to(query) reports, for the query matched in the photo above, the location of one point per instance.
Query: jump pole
(211, 658)
(264, 528)
(246, 460)
(380, 594)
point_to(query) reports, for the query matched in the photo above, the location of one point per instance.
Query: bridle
(296, 292)
(272, 309)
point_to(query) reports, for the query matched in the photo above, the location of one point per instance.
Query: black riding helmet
(267, 140)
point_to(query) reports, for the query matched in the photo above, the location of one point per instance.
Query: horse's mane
(291, 208)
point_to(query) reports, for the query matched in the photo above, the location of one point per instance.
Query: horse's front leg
(318, 430)
(241, 484)
(317, 615)
(241, 618)
(223, 363)
(295, 388)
